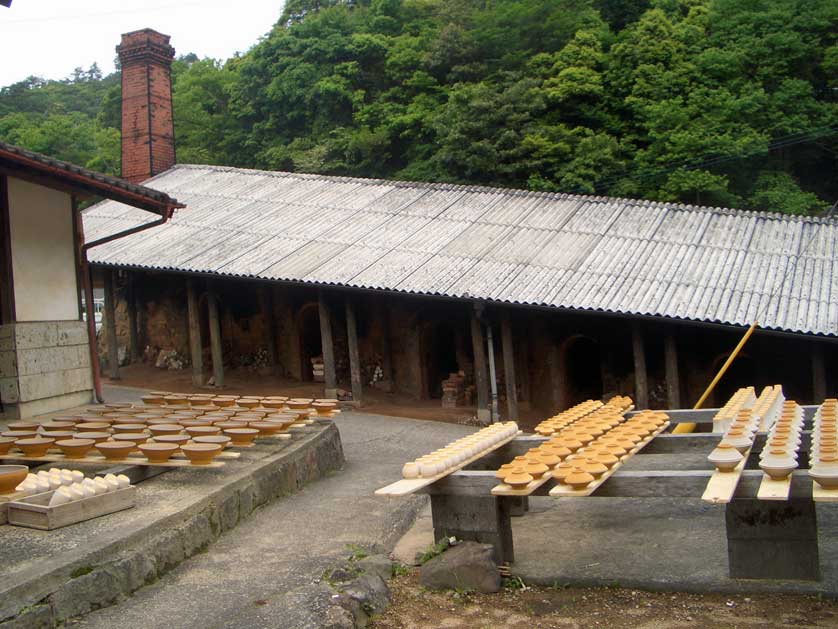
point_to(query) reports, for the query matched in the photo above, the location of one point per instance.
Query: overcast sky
(50, 38)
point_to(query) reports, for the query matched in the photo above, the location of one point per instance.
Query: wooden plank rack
(464, 504)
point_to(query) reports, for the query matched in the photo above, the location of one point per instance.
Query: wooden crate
(34, 511)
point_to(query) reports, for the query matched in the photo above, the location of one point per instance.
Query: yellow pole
(690, 427)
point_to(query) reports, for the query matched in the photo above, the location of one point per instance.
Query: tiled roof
(584, 253)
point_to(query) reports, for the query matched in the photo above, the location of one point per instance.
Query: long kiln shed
(430, 288)
(45, 350)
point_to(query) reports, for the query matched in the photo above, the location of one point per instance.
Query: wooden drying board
(34, 511)
(132, 459)
(407, 486)
(722, 485)
(565, 491)
(502, 489)
(819, 494)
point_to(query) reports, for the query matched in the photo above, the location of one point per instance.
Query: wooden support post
(641, 385)
(509, 367)
(386, 348)
(818, 374)
(196, 354)
(110, 323)
(354, 360)
(266, 303)
(772, 540)
(328, 347)
(523, 370)
(557, 372)
(215, 337)
(481, 378)
(673, 382)
(131, 301)
(483, 519)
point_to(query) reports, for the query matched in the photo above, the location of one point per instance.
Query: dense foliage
(717, 102)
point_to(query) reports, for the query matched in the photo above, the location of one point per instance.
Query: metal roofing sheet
(616, 255)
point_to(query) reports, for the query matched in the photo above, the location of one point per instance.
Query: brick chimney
(148, 134)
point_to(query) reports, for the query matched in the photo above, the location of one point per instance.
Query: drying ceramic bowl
(93, 427)
(158, 452)
(250, 402)
(578, 480)
(561, 471)
(75, 448)
(179, 439)
(222, 440)
(6, 444)
(165, 429)
(200, 453)
(190, 423)
(275, 404)
(825, 474)
(176, 400)
(19, 434)
(34, 446)
(59, 434)
(199, 431)
(23, 425)
(778, 465)
(607, 459)
(131, 437)
(266, 428)
(153, 400)
(241, 436)
(223, 401)
(725, 457)
(115, 450)
(98, 437)
(593, 468)
(536, 469)
(517, 479)
(324, 409)
(549, 459)
(11, 476)
(297, 404)
(126, 428)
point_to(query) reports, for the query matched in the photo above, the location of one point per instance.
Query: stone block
(72, 333)
(9, 391)
(36, 335)
(467, 566)
(8, 364)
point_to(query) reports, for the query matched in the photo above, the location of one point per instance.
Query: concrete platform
(49, 577)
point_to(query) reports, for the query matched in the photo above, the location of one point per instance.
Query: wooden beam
(818, 374)
(354, 359)
(327, 346)
(523, 369)
(641, 383)
(110, 325)
(196, 353)
(266, 303)
(509, 367)
(481, 377)
(673, 382)
(215, 337)
(131, 302)
(386, 346)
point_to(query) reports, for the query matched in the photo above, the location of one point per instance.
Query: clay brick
(148, 140)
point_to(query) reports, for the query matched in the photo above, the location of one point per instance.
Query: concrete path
(265, 572)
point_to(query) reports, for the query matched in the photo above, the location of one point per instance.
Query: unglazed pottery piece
(243, 436)
(75, 448)
(725, 457)
(115, 450)
(825, 474)
(579, 480)
(158, 452)
(19, 434)
(266, 428)
(222, 440)
(6, 444)
(176, 439)
(11, 476)
(165, 429)
(133, 437)
(34, 446)
(98, 437)
(92, 426)
(198, 431)
(24, 425)
(200, 453)
(123, 428)
(517, 479)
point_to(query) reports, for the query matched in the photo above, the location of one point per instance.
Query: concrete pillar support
(215, 337)
(196, 354)
(673, 381)
(328, 347)
(481, 378)
(110, 323)
(641, 382)
(266, 304)
(509, 367)
(354, 359)
(131, 301)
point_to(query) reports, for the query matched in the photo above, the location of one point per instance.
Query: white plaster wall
(43, 263)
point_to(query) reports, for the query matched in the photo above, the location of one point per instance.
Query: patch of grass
(81, 571)
(356, 552)
(513, 583)
(399, 569)
(434, 550)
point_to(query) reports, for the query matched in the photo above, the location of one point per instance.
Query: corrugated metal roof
(588, 253)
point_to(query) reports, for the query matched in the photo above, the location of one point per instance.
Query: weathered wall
(44, 367)
(43, 258)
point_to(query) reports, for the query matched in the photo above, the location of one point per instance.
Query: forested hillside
(716, 102)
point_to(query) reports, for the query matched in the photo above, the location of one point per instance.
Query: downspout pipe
(87, 283)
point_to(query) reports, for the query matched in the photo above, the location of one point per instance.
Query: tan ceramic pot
(93, 427)
(249, 402)
(578, 480)
(19, 434)
(241, 436)
(158, 452)
(153, 400)
(176, 400)
(175, 439)
(132, 437)
(6, 444)
(98, 437)
(34, 446)
(75, 448)
(11, 476)
(200, 453)
(115, 450)
(200, 431)
(223, 440)
(165, 429)
(517, 479)
(25, 426)
(266, 428)
(120, 429)
(298, 404)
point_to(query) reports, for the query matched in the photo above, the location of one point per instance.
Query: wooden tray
(34, 511)
(407, 486)
(133, 459)
(564, 491)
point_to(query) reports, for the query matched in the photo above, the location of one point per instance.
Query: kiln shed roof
(557, 250)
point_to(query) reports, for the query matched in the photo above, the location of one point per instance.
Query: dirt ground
(413, 607)
(239, 382)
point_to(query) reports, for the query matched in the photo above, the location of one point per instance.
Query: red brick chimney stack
(148, 134)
